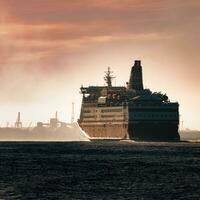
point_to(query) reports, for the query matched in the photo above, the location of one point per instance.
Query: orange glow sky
(49, 48)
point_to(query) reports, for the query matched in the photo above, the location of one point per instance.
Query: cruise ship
(131, 112)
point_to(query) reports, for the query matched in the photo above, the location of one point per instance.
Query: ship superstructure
(110, 112)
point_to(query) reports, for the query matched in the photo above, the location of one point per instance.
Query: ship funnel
(136, 82)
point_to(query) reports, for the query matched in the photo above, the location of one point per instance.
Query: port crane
(18, 123)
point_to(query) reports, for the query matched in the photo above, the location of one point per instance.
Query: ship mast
(108, 77)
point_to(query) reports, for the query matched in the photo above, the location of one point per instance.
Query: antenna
(108, 77)
(72, 118)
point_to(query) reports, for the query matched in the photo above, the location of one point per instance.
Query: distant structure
(72, 118)
(53, 124)
(18, 123)
(56, 115)
(182, 128)
(30, 124)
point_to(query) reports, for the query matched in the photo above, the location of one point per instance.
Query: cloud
(44, 40)
(39, 32)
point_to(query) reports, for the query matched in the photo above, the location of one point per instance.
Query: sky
(49, 48)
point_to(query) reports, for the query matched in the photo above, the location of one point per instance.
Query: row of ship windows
(111, 110)
(133, 110)
(135, 115)
(152, 110)
(105, 110)
(87, 111)
(111, 116)
(103, 116)
(152, 115)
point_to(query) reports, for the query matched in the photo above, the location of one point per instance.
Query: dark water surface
(84, 170)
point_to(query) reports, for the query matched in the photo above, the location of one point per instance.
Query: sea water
(103, 170)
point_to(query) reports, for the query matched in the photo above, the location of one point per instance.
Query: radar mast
(108, 77)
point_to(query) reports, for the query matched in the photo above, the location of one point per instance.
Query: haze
(49, 48)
